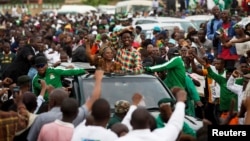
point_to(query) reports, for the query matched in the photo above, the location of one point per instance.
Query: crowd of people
(207, 71)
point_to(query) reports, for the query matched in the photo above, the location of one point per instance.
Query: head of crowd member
(120, 129)
(176, 29)
(56, 97)
(173, 52)
(127, 38)
(63, 56)
(216, 12)
(156, 30)
(121, 108)
(29, 100)
(24, 82)
(201, 35)
(165, 117)
(150, 49)
(143, 36)
(225, 15)
(239, 30)
(107, 53)
(156, 51)
(138, 30)
(6, 47)
(163, 51)
(219, 64)
(69, 109)
(140, 119)
(41, 64)
(171, 43)
(209, 58)
(203, 26)
(101, 112)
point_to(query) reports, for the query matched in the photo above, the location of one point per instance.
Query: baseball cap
(40, 60)
(157, 29)
(173, 51)
(166, 100)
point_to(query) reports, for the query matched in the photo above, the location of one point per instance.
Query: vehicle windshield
(138, 8)
(123, 88)
(184, 24)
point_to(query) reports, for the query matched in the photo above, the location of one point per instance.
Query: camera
(16, 89)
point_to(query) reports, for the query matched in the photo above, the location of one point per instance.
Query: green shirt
(239, 81)
(53, 77)
(225, 95)
(176, 72)
(186, 128)
(113, 120)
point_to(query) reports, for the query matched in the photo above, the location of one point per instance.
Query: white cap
(94, 32)
(94, 27)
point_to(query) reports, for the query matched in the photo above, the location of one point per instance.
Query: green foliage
(32, 1)
(95, 2)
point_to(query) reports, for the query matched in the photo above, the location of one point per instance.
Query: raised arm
(176, 121)
(174, 62)
(231, 83)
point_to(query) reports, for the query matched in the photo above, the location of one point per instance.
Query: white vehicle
(198, 19)
(170, 21)
(244, 21)
(148, 28)
(132, 6)
(77, 9)
(106, 9)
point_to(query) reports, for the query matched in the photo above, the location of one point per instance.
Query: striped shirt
(130, 60)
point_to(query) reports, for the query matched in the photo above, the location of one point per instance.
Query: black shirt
(20, 65)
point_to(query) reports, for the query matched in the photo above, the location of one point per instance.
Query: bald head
(29, 100)
(140, 119)
(57, 96)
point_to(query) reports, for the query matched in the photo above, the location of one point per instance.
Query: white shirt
(155, 3)
(93, 133)
(215, 88)
(169, 133)
(235, 88)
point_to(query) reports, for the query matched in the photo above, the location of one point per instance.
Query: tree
(94, 2)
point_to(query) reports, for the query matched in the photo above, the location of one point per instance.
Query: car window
(114, 89)
(145, 22)
(183, 24)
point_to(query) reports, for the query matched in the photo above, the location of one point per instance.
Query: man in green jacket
(52, 76)
(176, 77)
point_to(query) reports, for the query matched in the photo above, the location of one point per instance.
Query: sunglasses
(40, 65)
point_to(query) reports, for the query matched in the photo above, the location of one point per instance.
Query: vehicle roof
(134, 2)
(90, 76)
(199, 17)
(161, 19)
(244, 21)
(162, 25)
(77, 8)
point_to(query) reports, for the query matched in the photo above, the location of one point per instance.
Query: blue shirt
(211, 30)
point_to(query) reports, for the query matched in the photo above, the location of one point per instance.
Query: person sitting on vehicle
(104, 58)
(52, 76)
